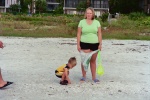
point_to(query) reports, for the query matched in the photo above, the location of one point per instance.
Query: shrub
(73, 25)
(146, 21)
(136, 15)
(14, 8)
(104, 17)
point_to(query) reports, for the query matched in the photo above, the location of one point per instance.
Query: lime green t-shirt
(89, 32)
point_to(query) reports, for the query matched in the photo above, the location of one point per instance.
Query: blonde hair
(93, 12)
(72, 61)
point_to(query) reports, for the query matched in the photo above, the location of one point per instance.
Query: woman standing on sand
(2, 82)
(89, 38)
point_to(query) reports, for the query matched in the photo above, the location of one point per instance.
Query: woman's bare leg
(82, 68)
(83, 71)
(2, 82)
(93, 65)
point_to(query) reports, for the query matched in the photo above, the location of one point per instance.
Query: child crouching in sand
(63, 71)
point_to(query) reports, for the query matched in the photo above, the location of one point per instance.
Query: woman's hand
(100, 47)
(78, 47)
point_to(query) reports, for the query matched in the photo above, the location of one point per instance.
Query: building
(5, 4)
(51, 4)
(100, 6)
(145, 5)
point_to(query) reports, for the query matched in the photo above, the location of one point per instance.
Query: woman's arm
(78, 38)
(100, 38)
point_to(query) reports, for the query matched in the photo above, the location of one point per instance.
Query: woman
(2, 82)
(89, 38)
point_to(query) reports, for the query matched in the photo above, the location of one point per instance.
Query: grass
(125, 28)
(66, 26)
(54, 32)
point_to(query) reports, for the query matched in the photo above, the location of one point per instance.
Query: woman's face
(89, 14)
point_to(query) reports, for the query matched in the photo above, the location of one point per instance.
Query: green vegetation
(104, 17)
(15, 8)
(132, 26)
(124, 6)
(127, 27)
(41, 5)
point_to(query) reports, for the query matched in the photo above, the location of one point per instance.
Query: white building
(100, 6)
(52, 4)
(5, 4)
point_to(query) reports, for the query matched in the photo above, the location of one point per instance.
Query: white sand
(30, 63)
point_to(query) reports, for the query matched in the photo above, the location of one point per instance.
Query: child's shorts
(58, 74)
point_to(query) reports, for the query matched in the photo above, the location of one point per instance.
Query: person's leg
(63, 80)
(83, 71)
(93, 65)
(2, 82)
(63, 77)
(85, 47)
(66, 77)
(82, 68)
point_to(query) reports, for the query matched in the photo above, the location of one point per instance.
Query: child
(63, 71)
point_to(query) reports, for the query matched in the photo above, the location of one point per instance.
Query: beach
(31, 63)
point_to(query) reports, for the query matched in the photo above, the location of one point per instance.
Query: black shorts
(91, 46)
(59, 76)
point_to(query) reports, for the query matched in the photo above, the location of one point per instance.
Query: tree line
(124, 6)
(121, 6)
(40, 6)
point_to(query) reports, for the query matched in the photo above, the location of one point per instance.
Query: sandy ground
(30, 64)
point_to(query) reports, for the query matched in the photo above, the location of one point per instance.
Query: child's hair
(72, 61)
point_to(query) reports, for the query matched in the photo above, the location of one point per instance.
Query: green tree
(41, 5)
(24, 5)
(81, 6)
(124, 6)
(88, 3)
(14, 8)
(59, 9)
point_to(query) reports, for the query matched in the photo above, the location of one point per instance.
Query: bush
(24, 18)
(136, 15)
(146, 21)
(59, 10)
(73, 25)
(104, 17)
(125, 23)
(14, 8)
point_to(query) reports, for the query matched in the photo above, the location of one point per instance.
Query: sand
(30, 63)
